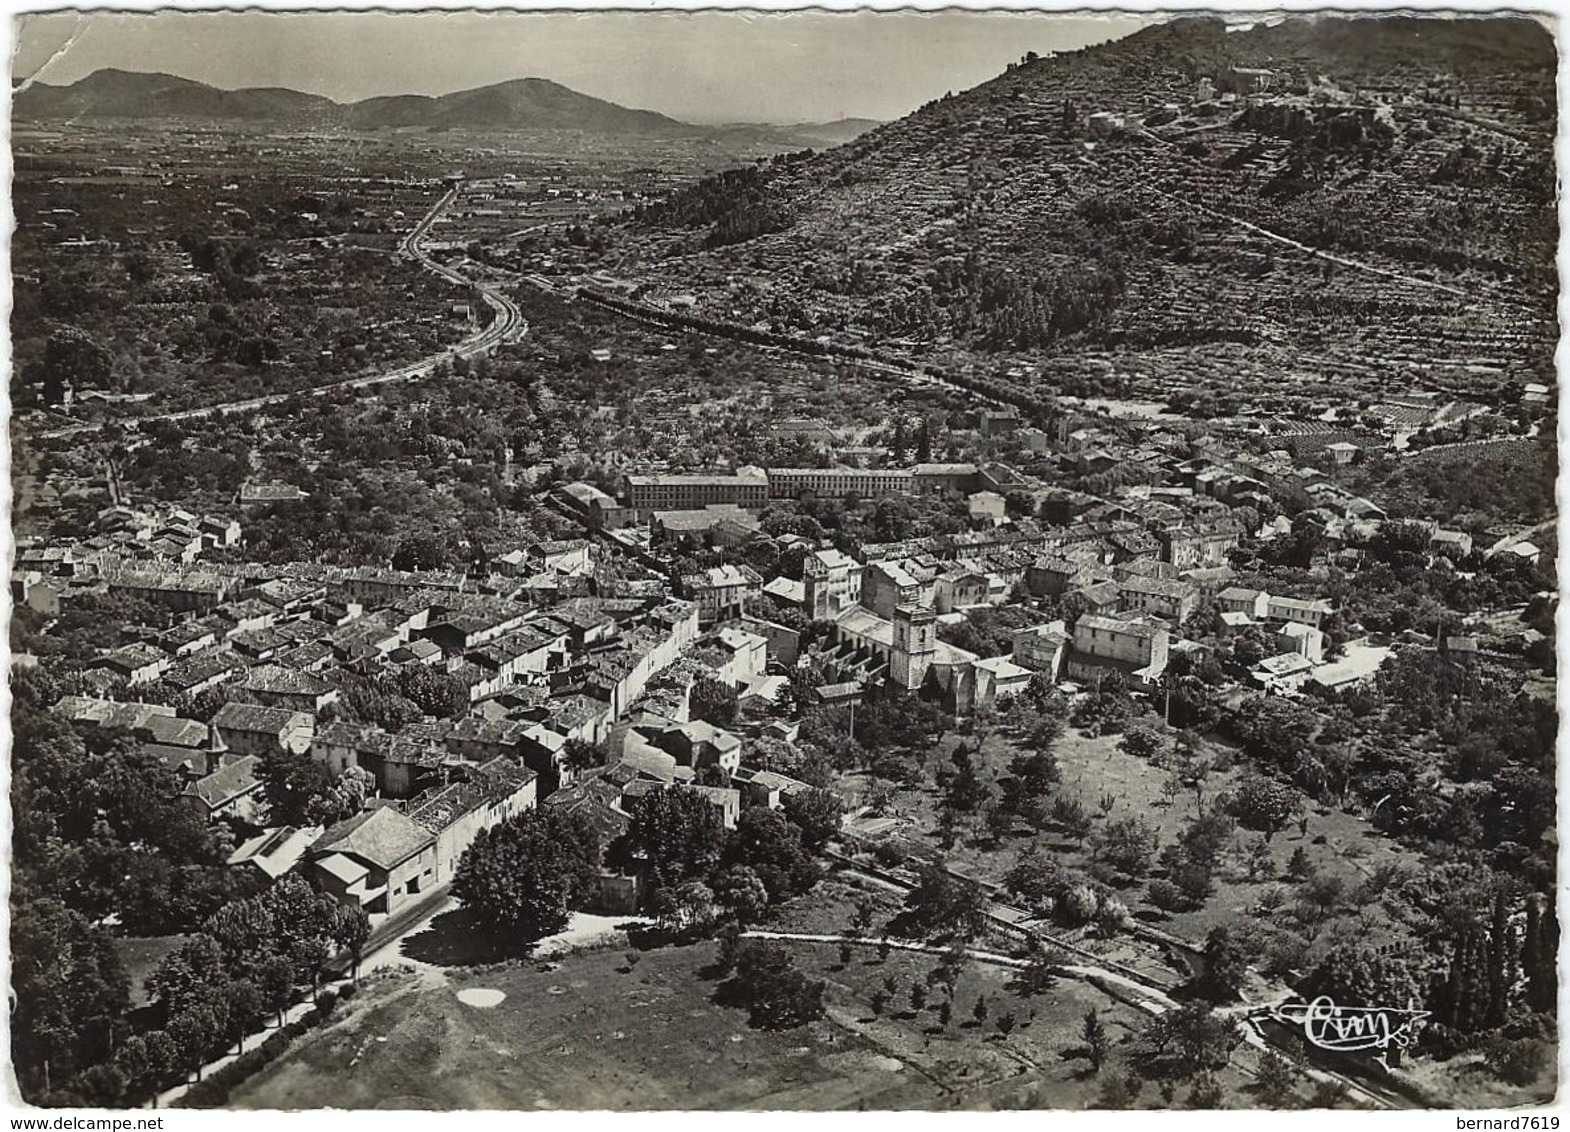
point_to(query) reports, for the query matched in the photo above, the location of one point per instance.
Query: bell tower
(915, 643)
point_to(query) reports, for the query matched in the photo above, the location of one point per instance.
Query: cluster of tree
(390, 700)
(519, 880)
(73, 1042)
(101, 826)
(677, 836)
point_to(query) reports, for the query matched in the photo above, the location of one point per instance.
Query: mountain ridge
(524, 103)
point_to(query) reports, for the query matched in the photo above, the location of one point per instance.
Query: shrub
(1111, 916)
(1517, 1061)
(1077, 905)
(1167, 896)
(347, 991)
(888, 854)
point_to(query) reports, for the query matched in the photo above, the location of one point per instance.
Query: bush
(1077, 906)
(348, 991)
(1167, 896)
(326, 1000)
(1111, 916)
(889, 855)
(1517, 1061)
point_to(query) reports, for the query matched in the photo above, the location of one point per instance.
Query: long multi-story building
(747, 487)
(838, 483)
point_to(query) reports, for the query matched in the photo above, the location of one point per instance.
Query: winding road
(508, 323)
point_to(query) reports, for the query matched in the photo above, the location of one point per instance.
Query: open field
(590, 1033)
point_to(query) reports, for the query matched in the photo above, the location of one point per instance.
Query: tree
(70, 990)
(676, 833)
(771, 845)
(1264, 804)
(714, 700)
(1354, 973)
(964, 792)
(1226, 965)
(1033, 878)
(777, 995)
(944, 905)
(1097, 1043)
(1205, 1094)
(1072, 818)
(274, 980)
(1028, 787)
(1128, 845)
(1275, 1080)
(422, 552)
(817, 813)
(520, 879)
(292, 784)
(1141, 742)
(740, 890)
(1185, 1041)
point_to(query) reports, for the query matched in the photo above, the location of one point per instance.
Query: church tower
(915, 643)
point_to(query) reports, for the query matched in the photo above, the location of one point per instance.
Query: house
(1041, 648)
(1305, 640)
(277, 686)
(1253, 604)
(725, 799)
(721, 592)
(1286, 672)
(887, 585)
(1452, 544)
(1163, 597)
(766, 787)
(1132, 645)
(274, 852)
(832, 583)
(998, 678)
(1189, 548)
(231, 791)
(458, 813)
(1304, 612)
(699, 743)
(254, 729)
(136, 664)
(379, 860)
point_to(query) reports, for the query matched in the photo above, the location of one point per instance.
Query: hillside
(1347, 203)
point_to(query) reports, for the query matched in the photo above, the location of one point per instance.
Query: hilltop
(1347, 201)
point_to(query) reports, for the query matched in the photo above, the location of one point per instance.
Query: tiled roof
(384, 837)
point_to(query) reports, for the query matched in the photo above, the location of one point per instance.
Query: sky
(696, 66)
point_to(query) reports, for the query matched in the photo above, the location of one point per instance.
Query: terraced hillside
(1321, 204)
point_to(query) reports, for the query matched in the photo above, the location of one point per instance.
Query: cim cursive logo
(1349, 1028)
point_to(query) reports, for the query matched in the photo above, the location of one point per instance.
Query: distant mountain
(129, 94)
(531, 104)
(522, 104)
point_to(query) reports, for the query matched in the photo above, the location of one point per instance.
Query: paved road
(507, 323)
